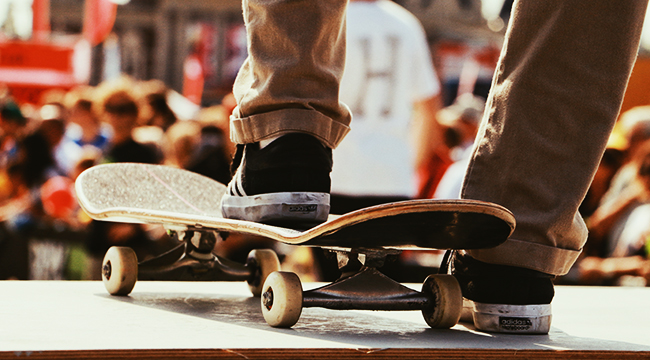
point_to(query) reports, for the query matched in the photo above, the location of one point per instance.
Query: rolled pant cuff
(258, 127)
(547, 259)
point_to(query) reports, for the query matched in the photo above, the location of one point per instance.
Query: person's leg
(289, 85)
(290, 80)
(554, 100)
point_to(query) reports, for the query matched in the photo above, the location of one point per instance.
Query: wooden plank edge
(325, 353)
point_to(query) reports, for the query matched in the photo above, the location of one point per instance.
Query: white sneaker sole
(510, 319)
(277, 207)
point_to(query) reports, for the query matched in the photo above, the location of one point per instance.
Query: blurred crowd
(616, 209)
(43, 148)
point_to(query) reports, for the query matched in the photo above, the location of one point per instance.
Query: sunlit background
(20, 21)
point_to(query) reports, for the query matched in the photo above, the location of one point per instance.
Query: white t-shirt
(388, 68)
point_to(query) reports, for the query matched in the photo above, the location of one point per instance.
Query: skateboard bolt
(267, 299)
(107, 270)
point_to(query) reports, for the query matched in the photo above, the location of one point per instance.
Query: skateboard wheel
(120, 270)
(447, 299)
(282, 299)
(263, 262)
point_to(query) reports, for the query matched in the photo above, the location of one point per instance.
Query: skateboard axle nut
(107, 270)
(267, 299)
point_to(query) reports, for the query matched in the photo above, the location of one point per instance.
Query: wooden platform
(165, 320)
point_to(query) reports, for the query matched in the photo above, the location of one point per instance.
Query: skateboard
(188, 205)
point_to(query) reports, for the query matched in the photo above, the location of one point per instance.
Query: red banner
(30, 67)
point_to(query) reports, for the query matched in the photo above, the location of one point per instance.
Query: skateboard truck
(192, 260)
(366, 289)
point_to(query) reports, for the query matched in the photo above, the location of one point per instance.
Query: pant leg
(554, 100)
(290, 80)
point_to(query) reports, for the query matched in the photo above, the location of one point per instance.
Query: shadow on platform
(366, 328)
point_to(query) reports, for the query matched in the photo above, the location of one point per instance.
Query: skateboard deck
(180, 199)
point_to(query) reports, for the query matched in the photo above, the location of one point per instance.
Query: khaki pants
(290, 81)
(554, 100)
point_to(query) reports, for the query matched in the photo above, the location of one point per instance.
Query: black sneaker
(285, 183)
(504, 299)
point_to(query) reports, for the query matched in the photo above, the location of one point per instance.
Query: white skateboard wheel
(264, 262)
(120, 270)
(447, 299)
(282, 299)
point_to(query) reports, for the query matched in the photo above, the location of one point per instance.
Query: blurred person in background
(632, 130)
(155, 110)
(616, 252)
(620, 229)
(394, 94)
(462, 120)
(12, 123)
(198, 147)
(85, 127)
(116, 105)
